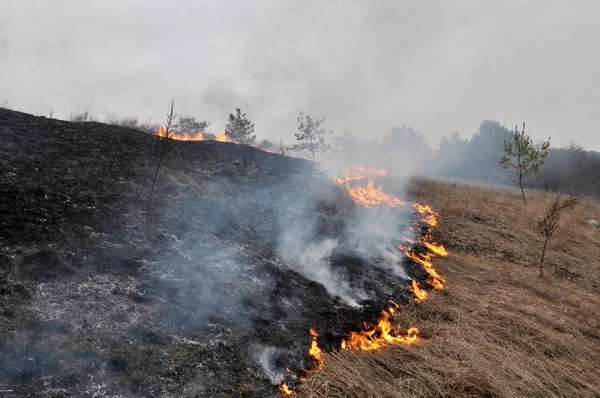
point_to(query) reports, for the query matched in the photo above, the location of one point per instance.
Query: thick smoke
(312, 260)
(439, 67)
(311, 247)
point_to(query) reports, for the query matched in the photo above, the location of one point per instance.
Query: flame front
(369, 195)
(315, 352)
(317, 362)
(376, 336)
(221, 137)
(174, 135)
(286, 390)
(420, 295)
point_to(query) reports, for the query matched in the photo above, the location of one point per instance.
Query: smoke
(437, 66)
(315, 231)
(264, 356)
(373, 235)
(313, 263)
(242, 248)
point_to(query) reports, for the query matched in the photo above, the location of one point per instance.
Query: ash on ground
(208, 290)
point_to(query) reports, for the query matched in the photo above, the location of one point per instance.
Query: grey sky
(440, 66)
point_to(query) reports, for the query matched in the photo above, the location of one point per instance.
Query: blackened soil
(105, 293)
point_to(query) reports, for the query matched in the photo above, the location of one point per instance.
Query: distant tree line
(568, 169)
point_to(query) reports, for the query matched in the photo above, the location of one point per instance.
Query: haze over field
(438, 66)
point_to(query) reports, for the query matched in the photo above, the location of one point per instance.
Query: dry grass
(498, 330)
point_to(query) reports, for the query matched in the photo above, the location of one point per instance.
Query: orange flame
(186, 136)
(199, 136)
(161, 132)
(374, 337)
(377, 336)
(425, 260)
(437, 249)
(317, 363)
(283, 387)
(427, 214)
(221, 137)
(368, 195)
(315, 352)
(420, 295)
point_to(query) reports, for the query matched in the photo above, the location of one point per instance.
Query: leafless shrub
(148, 127)
(134, 123)
(549, 223)
(82, 117)
(48, 113)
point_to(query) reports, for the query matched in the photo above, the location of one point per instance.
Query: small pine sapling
(310, 135)
(522, 158)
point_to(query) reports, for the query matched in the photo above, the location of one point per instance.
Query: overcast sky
(439, 66)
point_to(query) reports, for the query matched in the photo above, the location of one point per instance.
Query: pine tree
(522, 158)
(239, 128)
(311, 135)
(191, 125)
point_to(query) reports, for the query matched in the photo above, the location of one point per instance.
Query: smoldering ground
(245, 251)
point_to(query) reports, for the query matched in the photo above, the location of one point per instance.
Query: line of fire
(361, 185)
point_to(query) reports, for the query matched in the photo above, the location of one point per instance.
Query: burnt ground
(195, 295)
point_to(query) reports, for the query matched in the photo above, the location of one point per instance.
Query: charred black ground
(201, 302)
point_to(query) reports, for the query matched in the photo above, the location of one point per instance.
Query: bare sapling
(547, 226)
(165, 143)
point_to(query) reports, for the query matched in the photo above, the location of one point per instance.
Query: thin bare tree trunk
(521, 186)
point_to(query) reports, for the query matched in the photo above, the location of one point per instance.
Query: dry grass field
(498, 329)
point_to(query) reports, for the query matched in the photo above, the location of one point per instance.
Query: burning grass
(385, 332)
(496, 329)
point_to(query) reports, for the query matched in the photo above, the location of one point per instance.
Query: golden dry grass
(497, 330)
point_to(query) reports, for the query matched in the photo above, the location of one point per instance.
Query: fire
(420, 295)
(200, 136)
(422, 250)
(427, 214)
(315, 352)
(348, 177)
(186, 136)
(369, 195)
(437, 249)
(221, 137)
(377, 336)
(162, 132)
(425, 259)
(316, 355)
(286, 390)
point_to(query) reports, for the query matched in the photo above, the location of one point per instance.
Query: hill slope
(209, 290)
